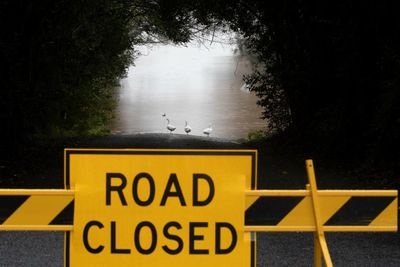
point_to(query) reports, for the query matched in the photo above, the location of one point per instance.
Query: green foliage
(61, 60)
(272, 98)
(257, 136)
(328, 71)
(64, 60)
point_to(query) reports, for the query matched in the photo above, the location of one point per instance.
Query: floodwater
(198, 84)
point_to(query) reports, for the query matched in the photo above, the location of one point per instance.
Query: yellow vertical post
(317, 252)
(317, 247)
(318, 224)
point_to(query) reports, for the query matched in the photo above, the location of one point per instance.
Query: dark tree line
(328, 70)
(60, 60)
(334, 64)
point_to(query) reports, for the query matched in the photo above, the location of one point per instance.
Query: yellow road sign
(160, 207)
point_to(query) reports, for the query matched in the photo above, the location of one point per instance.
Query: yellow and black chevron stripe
(339, 210)
(36, 210)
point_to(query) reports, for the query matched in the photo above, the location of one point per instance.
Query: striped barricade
(309, 210)
(30, 209)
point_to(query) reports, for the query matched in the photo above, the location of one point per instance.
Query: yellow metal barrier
(308, 210)
(36, 210)
(320, 211)
(320, 245)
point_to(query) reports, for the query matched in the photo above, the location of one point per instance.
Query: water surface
(197, 84)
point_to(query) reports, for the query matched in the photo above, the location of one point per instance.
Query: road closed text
(195, 237)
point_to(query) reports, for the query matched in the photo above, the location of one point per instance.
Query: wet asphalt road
(273, 249)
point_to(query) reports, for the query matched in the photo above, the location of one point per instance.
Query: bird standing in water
(170, 127)
(187, 128)
(207, 131)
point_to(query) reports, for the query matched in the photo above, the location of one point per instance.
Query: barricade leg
(312, 187)
(317, 252)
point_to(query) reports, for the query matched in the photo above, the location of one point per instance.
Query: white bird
(170, 127)
(187, 128)
(207, 131)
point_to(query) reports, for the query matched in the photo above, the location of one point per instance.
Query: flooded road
(197, 84)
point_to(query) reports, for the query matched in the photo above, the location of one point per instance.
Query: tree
(61, 60)
(328, 71)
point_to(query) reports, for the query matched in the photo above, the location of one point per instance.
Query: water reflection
(195, 84)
